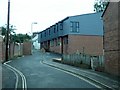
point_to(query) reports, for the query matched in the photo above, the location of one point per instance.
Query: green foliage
(100, 5)
(19, 38)
(3, 31)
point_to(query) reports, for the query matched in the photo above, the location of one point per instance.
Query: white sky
(45, 12)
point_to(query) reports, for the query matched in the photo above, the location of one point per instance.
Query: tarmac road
(39, 75)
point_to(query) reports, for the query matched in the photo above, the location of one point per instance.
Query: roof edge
(105, 9)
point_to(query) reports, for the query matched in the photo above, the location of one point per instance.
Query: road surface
(30, 72)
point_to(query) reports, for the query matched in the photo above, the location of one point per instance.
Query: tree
(3, 31)
(11, 33)
(20, 38)
(100, 5)
(13, 37)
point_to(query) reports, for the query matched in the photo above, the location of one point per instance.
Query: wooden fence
(94, 62)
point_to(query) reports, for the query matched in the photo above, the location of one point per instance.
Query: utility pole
(8, 30)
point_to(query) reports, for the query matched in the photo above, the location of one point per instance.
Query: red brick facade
(27, 48)
(111, 38)
(92, 45)
(15, 50)
(2, 49)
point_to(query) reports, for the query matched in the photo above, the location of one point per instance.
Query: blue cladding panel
(89, 24)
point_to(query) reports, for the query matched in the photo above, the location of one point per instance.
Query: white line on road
(16, 84)
(24, 82)
(74, 75)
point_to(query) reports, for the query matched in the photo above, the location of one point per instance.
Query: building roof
(85, 14)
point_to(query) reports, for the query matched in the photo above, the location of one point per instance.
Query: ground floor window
(65, 40)
(52, 43)
(59, 42)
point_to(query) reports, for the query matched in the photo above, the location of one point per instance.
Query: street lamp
(32, 34)
(32, 28)
(8, 31)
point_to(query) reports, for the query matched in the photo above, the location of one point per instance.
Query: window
(61, 26)
(41, 35)
(65, 40)
(52, 43)
(49, 31)
(58, 42)
(45, 33)
(55, 42)
(74, 26)
(57, 27)
(77, 26)
(54, 29)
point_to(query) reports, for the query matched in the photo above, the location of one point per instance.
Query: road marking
(81, 77)
(7, 62)
(16, 84)
(24, 82)
(73, 75)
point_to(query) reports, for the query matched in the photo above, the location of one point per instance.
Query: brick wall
(56, 48)
(27, 48)
(111, 39)
(65, 48)
(1, 50)
(92, 45)
(111, 62)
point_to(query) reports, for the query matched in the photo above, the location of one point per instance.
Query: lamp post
(32, 34)
(8, 31)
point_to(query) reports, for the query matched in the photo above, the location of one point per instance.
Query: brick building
(83, 33)
(27, 48)
(111, 18)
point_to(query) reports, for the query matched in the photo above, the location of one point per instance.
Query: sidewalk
(99, 78)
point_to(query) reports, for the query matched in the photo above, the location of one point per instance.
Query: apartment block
(80, 33)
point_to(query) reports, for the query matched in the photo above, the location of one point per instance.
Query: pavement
(102, 79)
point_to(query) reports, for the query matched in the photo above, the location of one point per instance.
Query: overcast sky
(45, 12)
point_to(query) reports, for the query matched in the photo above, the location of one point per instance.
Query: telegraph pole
(8, 31)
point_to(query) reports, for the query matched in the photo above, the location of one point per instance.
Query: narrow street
(30, 72)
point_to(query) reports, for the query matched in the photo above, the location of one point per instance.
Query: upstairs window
(45, 33)
(57, 27)
(41, 35)
(54, 29)
(49, 31)
(74, 26)
(61, 26)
